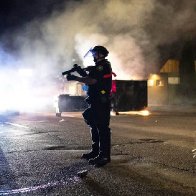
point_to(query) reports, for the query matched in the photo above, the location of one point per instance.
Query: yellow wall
(157, 89)
(171, 66)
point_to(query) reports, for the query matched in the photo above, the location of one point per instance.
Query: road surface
(151, 155)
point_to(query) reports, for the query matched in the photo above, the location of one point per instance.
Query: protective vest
(100, 91)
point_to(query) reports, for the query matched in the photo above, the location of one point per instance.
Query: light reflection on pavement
(156, 149)
(68, 182)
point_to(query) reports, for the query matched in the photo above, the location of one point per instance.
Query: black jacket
(101, 90)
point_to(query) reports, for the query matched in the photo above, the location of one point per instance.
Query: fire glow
(140, 113)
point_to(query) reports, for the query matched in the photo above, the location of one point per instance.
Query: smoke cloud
(132, 31)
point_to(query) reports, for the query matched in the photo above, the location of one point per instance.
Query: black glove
(71, 77)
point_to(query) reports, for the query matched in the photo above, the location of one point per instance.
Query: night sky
(15, 13)
(164, 28)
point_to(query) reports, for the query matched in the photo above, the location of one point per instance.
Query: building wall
(187, 89)
(158, 89)
(176, 82)
(173, 88)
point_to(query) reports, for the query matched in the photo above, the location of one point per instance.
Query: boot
(105, 146)
(90, 155)
(95, 144)
(99, 161)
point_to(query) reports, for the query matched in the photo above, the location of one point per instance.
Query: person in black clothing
(97, 115)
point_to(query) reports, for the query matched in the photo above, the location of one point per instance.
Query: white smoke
(132, 31)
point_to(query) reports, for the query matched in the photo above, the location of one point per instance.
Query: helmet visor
(90, 52)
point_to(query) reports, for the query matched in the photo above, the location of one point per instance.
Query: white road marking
(69, 181)
(17, 125)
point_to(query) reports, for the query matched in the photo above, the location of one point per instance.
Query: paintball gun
(76, 68)
(81, 71)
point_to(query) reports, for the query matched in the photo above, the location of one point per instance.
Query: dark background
(15, 13)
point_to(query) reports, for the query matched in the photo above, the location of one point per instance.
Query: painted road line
(17, 125)
(49, 185)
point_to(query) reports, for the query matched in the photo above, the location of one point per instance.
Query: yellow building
(162, 86)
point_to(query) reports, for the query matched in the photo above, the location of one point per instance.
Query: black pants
(97, 116)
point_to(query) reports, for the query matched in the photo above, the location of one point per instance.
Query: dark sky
(14, 13)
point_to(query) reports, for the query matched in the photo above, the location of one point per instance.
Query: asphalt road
(151, 155)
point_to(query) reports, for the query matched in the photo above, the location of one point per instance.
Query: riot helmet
(101, 50)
